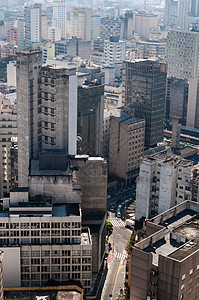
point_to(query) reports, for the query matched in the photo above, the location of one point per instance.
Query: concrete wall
(11, 266)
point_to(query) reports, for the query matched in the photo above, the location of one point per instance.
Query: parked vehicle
(130, 223)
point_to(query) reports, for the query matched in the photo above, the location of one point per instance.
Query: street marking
(119, 268)
(117, 222)
(120, 255)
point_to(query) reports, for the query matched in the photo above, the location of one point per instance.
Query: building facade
(163, 182)
(33, 26)
(60, 16)
(126, 146)
(81, 23)
(114, 51)
(144, 89)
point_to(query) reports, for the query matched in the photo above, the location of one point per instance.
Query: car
(111, 208)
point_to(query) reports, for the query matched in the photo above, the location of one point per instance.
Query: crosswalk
(117, 222)
(120, 255)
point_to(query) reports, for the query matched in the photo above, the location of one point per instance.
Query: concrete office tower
(126, 146)
(47, 109)
(21, 32)
(163, 182)
(33, 26)
(144, 83)
(8, 129)
(80, 25)
(60, 16)
(177, 99)
(11, 73)
(195, 8)
(73, 47)
(29, 66)
(57, 128)
(114, 51)
(183, 12)
(143, 23)
(165, 264)
(182, 54)
(171, 14)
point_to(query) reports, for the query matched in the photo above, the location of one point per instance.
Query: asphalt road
(116, 261)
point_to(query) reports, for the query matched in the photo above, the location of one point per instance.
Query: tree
(109, 228)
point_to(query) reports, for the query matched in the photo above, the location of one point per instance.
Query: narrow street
(114, 283)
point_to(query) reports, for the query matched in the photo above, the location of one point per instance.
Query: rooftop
(131, 120)
(171, 160)
(179, 235)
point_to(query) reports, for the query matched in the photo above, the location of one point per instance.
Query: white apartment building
(183, 54)
(114, 51)
(60, 16)
(33, 26)
(43, 242)
(183, 12)
(8, 129)
(81, 22)
(164, 181)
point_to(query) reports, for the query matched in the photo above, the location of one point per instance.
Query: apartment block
(126, 145)
(114, 51)
(163, 182)
(165, 264)
(144, 89)
(73, 47)
(33, 27)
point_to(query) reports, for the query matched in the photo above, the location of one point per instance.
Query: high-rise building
(195, 8)
(143, 23)
(110, 27)
(114, 51)
(183, 12)
(164, 265)
(126, 146)
(81, 22)
(47, 109)
(183, 63)
(60, 16)
(21, 32)
(163, 182)
(12, 35)
(182, 54)
(171, 14)
(144, 83)
(33, 26)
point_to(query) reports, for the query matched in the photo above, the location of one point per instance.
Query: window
(191, 272)
(183, 276)
(182, 286)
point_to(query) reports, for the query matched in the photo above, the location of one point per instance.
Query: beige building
(126, 146)
(143, 23)
(54, 34)
(8, 129)
(81, 22)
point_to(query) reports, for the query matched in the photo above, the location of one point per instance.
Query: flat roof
(131, 120)
(191, 231)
